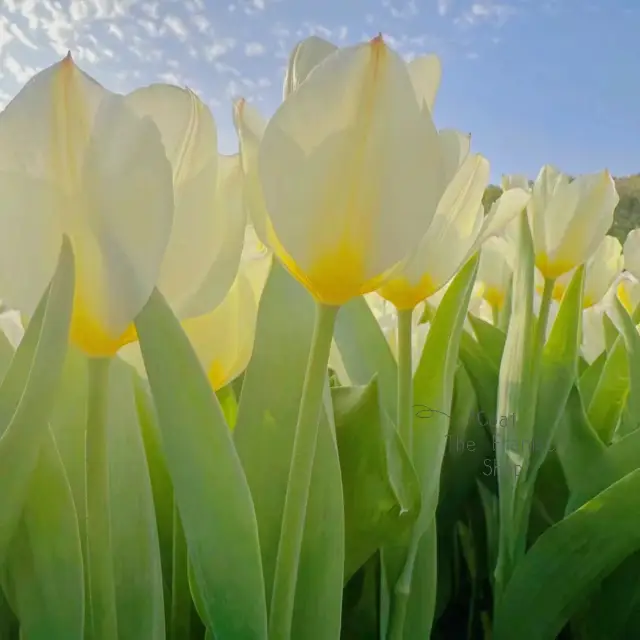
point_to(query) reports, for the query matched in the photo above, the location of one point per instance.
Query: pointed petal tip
(378, 39)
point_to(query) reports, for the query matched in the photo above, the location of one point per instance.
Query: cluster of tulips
(211, 364)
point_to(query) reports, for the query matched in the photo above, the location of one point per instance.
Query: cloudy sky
(534, 81)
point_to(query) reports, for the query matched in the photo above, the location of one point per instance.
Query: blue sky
(534, 81)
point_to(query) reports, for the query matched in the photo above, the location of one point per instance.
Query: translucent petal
(121, 224)
(426, 72)
(632, 253)
(227, 242)
(351, 172)
(30, 239)
(306, 55)
(455, 149)
(189, 136)
(223, 339)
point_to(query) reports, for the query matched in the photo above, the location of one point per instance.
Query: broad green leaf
(558, 373)
(468, 446)
(566, 564)
(381, 490)
(433, 387)
(515, 400)
(610, 332)
(483, 375)
(631, 340)
(365, 352)
(134, 535)
(490, 338)
(603, 467)
(210, 487)
(610, 396)
(264, 432)
(589, 378)
(28, 390)
(432, 392)
(44, 570)
(160, 483)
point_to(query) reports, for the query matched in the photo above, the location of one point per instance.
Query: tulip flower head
(75, 160)
(569, 218)
(349, 196)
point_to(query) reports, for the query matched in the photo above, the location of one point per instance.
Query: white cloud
(488, 12)
(177, 27)
(253, 49)
(443, 6)
(402, 12)
(219, 48)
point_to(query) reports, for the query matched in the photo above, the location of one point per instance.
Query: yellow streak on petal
(404, 295)
(89, 335)
(553, 269)
(588, 301)
(495, 297)
(71, 127)
(338, 273)
(625, 298)
(218, 375)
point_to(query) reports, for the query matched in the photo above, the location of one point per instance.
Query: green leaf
(566, 564)
(28, 390)
(44, 570)
(515, 391)
(590, 376)
(558, 373)
(210, 487)
(381, 490)
(610, 396)
(263, 435)
(490, 338)
(631, 340)
(160, 484)
(610, 332)
(134, 536)
(433, 394)
(365, 353)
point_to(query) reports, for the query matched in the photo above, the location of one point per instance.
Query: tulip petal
(632, 253)
(351, 172)
(426, 73)
(122, 226)
(502, 212)
(306, 55)
(30, 240)
(455, 149)
(45, 129)
(453, 231)
(227, 243)
(595, 199)
(223, 339)
(189, 136)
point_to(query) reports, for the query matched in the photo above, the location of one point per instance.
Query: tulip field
(313, 390)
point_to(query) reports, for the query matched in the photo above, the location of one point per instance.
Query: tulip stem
(405, 379)
(304, 448)
(102, 593)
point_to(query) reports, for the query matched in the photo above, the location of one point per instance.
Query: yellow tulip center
(217, 375)
(553, 269)
(88, 334)
(404, 295)
(494, 296)
(625, 298)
